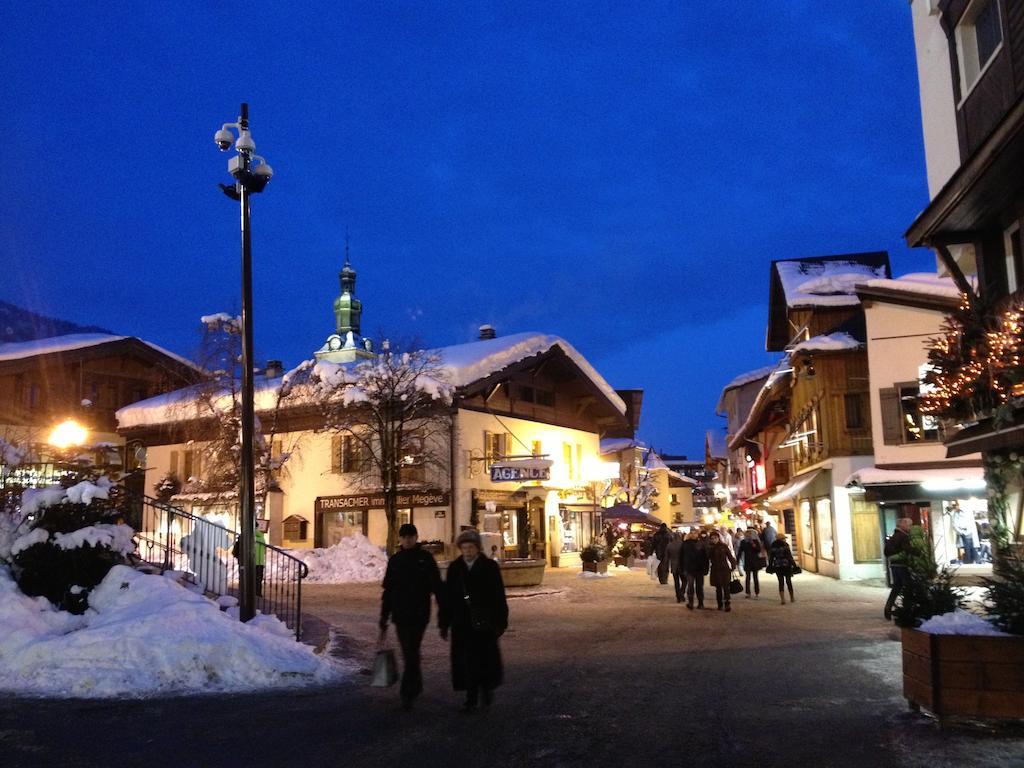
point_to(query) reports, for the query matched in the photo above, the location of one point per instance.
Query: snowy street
(598, 671)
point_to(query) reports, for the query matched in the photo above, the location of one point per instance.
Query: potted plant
(594, 558)
(624, 553)
(974, 674)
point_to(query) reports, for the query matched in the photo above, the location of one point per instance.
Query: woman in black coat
(751, 551)
(477, 614)
(782, 564)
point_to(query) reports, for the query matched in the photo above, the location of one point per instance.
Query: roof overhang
(986, 436)
(984, 185)
(907, 298)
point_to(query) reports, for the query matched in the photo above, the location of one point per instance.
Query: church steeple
(346, 344)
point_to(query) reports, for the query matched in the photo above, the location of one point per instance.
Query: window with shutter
(337, 448)
(892, 429)
(174, 463)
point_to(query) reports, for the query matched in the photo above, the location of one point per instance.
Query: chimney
(487, 332)
(274, 369)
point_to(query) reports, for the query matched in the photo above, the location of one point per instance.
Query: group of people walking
(472, 612)
(717, 554)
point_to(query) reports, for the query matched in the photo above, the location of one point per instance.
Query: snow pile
(592, 575)
(832, 342)
(960, 622)
(34, 499)
(144, 635)
(354, 559)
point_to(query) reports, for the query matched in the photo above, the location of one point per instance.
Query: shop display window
(823, 519)
(338, 525)
(807, 527)
(570, 530)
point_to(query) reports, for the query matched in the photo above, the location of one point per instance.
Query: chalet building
(705, 500)
(911, 476)
(807, 427)
(524, 400)
(85, 377)
(646, 482)
(970, 57)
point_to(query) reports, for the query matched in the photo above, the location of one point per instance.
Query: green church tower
(346, 344)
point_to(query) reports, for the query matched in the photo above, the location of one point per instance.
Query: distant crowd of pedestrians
(731, 560)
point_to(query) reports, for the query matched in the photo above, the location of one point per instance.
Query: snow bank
(354, 559)
(144, 635)
(960, 622)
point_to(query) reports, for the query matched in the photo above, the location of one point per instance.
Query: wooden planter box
(599, 567)
(626, 562)
(963, 675)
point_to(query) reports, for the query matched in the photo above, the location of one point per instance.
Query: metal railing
(172, 539)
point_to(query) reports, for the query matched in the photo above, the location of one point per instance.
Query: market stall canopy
(630, 514)
(794, 487)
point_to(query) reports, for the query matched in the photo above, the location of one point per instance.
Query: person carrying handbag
(475, 611)
(411, 579)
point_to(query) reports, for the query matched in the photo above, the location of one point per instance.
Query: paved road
(598, 672)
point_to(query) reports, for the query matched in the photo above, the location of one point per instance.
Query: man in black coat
(897, 549)
(476, 611)
(662, 538)
(694, 565)
(411, 578)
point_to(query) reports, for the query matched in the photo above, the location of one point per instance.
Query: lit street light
(68, 434)
(251, 174)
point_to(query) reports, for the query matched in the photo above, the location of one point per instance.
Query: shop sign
(406, 499)
(439, 513)
(520, 471)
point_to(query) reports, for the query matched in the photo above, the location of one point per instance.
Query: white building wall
(935, 79)
(897, 348)
(845, 568)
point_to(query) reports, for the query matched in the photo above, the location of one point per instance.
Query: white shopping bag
(652, 566)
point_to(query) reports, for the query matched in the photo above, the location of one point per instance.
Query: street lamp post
(251, 174)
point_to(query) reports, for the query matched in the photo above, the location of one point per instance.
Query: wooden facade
(40, 390)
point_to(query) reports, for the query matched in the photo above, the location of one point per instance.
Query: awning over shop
(953, 478)
(793, 487)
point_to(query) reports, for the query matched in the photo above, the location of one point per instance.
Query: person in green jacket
(260, 558)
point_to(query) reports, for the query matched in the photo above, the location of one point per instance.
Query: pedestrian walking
(662, 538)
(782, 564)
(672, 555)
(722, 563)
(754, 559)
(693, 562)
(897, 549)
(768, 534)
(476, 612)
(410, 580)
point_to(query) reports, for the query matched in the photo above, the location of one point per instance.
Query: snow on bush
(353, 559)
(960, 622)
(115, 537)
(144, 635)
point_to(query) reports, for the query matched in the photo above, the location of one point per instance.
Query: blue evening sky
(620, 174)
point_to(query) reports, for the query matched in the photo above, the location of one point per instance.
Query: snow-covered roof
(919, 283)
(616, 444)
(185, 405)
(20, 350)
(749, 376)
(463, 364)
(832, 342)
(466, 363)
(824, 284)
(779, 372)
